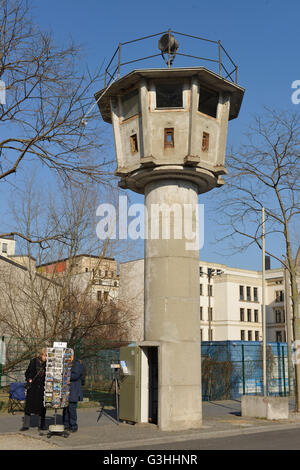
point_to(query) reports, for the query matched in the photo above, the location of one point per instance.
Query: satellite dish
(168, 45)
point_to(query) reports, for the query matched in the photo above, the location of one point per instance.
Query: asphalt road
(272, 440)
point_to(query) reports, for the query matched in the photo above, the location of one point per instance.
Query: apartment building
(100, 274)
(230, 301)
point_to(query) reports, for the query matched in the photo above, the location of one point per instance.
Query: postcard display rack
(57, 382)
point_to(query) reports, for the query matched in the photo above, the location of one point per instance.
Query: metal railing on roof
(220, 58)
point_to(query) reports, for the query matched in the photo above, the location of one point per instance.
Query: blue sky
(262, 37)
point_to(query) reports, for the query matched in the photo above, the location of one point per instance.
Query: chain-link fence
(96, 356)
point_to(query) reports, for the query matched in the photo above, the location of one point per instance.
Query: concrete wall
(132, 294)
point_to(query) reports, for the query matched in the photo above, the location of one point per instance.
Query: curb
(184, 437)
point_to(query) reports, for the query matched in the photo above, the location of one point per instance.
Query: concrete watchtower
(170, 130)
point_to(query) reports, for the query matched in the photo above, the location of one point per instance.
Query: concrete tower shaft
(170, 131)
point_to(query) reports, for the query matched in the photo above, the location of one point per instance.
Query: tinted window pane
(130, 104)
(169, 95)
(208, 102)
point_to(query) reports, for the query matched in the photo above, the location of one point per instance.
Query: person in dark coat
(35, 378)
(76, 394)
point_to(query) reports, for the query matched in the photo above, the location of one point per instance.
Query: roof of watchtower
(205, 76)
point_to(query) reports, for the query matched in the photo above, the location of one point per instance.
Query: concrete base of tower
(172, 302)
(179, 391)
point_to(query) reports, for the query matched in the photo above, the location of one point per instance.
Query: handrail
(219, 60)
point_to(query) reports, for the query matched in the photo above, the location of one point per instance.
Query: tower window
(169, 95)
(208, 102)
(169, 138)
(134, 143)
(205, 142)
(130, 104)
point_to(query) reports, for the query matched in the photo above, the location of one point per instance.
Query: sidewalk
(219, 419)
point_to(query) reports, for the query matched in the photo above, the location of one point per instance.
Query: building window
(130, 104)
(99, 295)
(106, 273)
(248, 293)
(255, 294)
(210, 313)
(169, 137)
(4, 247)
(242, 335)
(205, 142)
(278, 336)
(210, 335)
(242, 314)
(201, 313)
(86, 270)
(279, 296)
(169, 95)
(134, 144)
(256, 335)
(105, 296)
(209, 290)
(208, 101)
(99, 272)
(248, 314)
(249, 335)
(201, 289)
(201, 334)
(241, 292)
(256, 316)
(277, 316)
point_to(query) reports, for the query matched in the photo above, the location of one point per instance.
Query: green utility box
(139, 383)
(130, 386)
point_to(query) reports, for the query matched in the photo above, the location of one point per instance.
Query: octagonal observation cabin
(171, 122)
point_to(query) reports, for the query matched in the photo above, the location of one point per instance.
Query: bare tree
(39, 306)
(47, 97)
(265, 172)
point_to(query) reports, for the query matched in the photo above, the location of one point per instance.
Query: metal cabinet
(130, 385)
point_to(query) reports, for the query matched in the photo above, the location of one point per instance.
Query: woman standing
(35, 378)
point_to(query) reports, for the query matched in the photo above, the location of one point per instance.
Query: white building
(7, 246)
(230, 301)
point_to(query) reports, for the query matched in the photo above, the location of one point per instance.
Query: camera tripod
(114, 383)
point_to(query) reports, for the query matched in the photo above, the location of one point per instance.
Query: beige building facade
(230, 301)
(98, 274)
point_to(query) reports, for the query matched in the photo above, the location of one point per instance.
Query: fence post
(2, 358)
(283, 370)
(243, 370)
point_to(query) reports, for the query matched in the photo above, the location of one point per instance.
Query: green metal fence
(234, 368)
(229, 368)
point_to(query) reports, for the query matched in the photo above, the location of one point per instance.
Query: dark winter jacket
(77, 379)
(35, 393)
